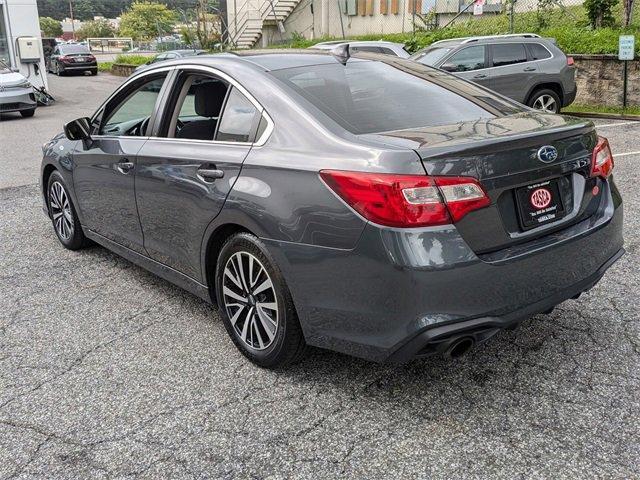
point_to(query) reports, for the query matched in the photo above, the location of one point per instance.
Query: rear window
(508, 54)
(368, 96)
(69, 49)
(538, 52)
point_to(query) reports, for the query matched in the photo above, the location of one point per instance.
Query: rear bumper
(438, 339)
(570, 96)
(401, 289)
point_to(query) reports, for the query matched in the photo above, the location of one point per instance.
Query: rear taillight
(407, 200)
(64, 59)
(91, 58)
(601, 159)
(570, 61)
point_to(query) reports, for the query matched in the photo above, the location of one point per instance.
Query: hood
(12, 78)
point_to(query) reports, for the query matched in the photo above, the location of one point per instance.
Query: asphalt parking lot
(109, 372)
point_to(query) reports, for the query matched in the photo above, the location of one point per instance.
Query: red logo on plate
(540, 198)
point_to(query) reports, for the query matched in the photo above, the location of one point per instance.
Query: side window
(367, 49)
(198, 102)
(508, 54)
(129, 116)
(538, 52)
(238, 119)
(467, 59)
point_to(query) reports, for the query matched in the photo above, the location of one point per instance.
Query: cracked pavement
(107, 371)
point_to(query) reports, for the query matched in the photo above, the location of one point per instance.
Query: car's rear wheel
(94, 72)
(255, 303)
(28, 113)
(63, 214)
(545, 100)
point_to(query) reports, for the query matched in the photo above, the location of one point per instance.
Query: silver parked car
(16, 93)
(526, 68)
(378, 46)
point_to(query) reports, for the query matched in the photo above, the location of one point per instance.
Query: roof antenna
(341, 53)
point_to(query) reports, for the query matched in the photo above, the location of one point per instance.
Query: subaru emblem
(547, 154)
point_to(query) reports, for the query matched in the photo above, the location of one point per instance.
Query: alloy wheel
(250, 300)
(546, 103)
(61, 210)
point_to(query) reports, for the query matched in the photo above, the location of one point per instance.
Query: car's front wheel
(545, 100)
(63, 214)
(255, 303)
(28, 113)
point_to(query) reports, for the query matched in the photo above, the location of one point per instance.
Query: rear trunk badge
(547, 154)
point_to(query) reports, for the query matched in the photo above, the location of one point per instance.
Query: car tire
(255, 303)
(28, 113)
(94, 72)
(545, 100)
(62, 212)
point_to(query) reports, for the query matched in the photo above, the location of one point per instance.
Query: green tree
(50, 27)
(599, 12)
(96, 29)
(146, 20)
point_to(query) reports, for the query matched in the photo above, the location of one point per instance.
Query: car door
(104, 167)
(185, 173)
(468, 63)
(511, 72)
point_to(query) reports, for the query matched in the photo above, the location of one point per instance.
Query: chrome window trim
(188, 66)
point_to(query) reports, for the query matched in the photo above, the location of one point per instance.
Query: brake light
(65, 58)
(407, 200)
(601, 159)
(570, 61)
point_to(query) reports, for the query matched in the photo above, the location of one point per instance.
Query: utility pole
(73, 23)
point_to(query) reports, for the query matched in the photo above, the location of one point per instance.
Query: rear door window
(538, 52)
(466, 60)
(508, 54)
(239, 119)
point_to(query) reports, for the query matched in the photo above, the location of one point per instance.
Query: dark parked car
(70, 58)
(526, 68)
(369, 205)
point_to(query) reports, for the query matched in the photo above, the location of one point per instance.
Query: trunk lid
(503, 154)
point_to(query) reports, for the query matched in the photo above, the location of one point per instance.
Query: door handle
(480, 75)
(124, 166)
(209, 175)
(530, 69)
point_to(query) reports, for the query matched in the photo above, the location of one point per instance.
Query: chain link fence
(371, 18)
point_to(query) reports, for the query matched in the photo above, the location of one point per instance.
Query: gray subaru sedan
(365, 204)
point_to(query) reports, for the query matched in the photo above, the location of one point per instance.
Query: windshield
(70, 49)
(376, 96)
(431, 56)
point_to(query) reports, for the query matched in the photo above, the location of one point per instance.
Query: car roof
(273, 59)
(510, 38)
(370, 43)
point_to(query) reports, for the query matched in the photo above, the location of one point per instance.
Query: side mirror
(449, 67)
(79, 129)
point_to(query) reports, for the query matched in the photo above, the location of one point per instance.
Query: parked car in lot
(374, 46)
(172, 55)
(72, 58)
(526, 68)
(369, 205)
(16, 92)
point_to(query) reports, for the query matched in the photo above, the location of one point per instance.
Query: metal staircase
(246, 28)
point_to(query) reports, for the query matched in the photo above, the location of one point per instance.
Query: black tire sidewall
(77, 240)
(545, 91)
(278, 353)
